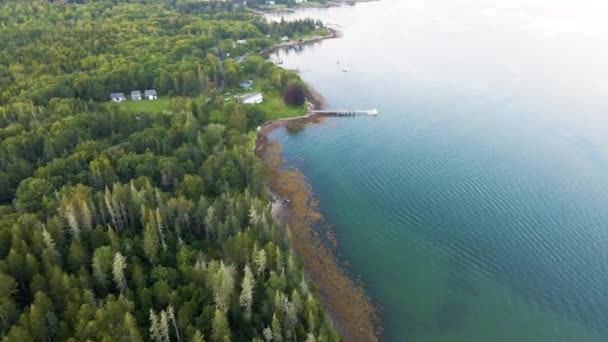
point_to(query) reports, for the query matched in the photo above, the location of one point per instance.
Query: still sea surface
(475, 206)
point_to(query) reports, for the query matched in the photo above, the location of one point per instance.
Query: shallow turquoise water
(475, 207)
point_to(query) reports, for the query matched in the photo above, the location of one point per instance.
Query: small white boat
(345, 69)
(337, 61)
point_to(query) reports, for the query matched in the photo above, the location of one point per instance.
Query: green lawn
(147, 106)
(275, 108)
(271, 7)
(317, 33)
(310, 4)
(273, 104)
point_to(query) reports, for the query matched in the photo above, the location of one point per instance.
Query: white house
(270, 2)
(300, 1)
(251, 98)
(136, 95)
(150, 94)
(118, 97)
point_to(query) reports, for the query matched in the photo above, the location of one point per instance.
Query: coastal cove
(473, 207)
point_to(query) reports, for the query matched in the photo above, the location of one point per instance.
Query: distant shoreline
(329, 4)
(333, 33)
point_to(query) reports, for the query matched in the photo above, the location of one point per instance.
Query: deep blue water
(475, 206)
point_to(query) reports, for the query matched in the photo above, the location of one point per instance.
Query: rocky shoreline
(355, 317)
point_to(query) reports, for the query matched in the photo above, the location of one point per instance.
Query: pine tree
(164, 326)
(198, 337)
(130, 329)
(118, 271)
(223, 286)
(49, 243)
(220, 331)
(171, 315)
(310, 338)
(277, 333)
(151, 243)
(110, 207)
(70, 216)
(102, 263)
(259, 260)
(210, 222)
(246, 298)
(154, 328)
(160, 224)
(87, 218)
(267, 334)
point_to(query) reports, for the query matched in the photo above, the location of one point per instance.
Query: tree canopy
(132, 225)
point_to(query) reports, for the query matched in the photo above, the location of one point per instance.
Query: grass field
(317, 33)
(273, 104)
(275, 108)
(147, 106)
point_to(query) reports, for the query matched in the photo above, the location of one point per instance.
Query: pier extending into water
(346, 112)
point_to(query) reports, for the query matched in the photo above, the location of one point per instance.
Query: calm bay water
(475, 207)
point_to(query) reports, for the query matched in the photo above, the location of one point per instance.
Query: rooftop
(249, 96)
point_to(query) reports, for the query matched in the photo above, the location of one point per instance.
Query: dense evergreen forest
(129, 225)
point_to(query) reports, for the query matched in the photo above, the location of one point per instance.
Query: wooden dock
(346, 112)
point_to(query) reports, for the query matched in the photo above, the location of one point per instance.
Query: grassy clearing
(147, 106)
(275, 107)
(273, 7)
(317, 33)
(311, 4)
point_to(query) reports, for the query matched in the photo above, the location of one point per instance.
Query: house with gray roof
(136, 95)
(150, 94)
(118, 97)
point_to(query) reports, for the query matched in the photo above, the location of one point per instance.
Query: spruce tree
(246, 298)
(118, 271)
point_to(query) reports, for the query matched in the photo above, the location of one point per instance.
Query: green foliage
(139, 221)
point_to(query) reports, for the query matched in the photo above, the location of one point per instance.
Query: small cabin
(247, 85)
(136, 95)
(118, 97)
(150, 94)
(251, 98)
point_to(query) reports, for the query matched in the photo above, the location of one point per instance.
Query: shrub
(294, 95)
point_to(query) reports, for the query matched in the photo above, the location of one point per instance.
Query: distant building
(270, 2)
(136, 95)
(241, 41)
(118, 97)
(300, 1)
(150, 94)
(247, 85)
(251, 98)
(284, 38)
